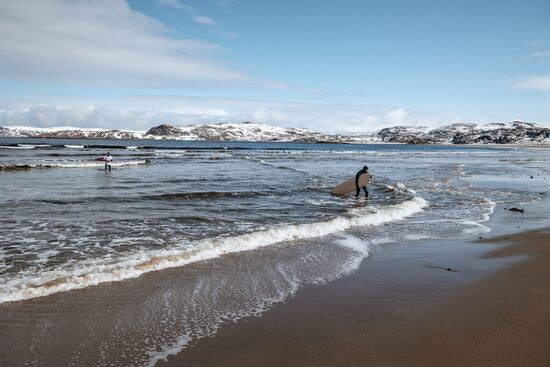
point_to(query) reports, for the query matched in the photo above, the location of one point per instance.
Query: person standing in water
(363, 171)
(108, 160)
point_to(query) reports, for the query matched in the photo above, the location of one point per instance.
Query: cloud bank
(142, 112)
(533, 83)
(188, 10)
(104, 42)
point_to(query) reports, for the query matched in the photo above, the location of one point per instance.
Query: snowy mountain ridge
(244, 131)
(66, 132)
(516, 132)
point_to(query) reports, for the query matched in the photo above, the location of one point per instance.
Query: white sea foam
(94, 164)
(172, 349)
(164, 151)
(475, 227)
(400, 188)
(32, 146)
(71, 146)
(404, 188)
(416, 237)
(72, 165)
(492, 206)
(259, 293)
(15, 147)
(96, 271)
(360, 247)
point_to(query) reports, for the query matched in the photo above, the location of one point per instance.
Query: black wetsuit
(357, 188)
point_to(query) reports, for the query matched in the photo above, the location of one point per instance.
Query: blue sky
(347, 66)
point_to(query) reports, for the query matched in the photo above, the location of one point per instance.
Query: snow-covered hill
(245, 131)
(516, 132)
(66, 133)
(497, 133)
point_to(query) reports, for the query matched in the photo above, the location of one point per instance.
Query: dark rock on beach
(519, 210)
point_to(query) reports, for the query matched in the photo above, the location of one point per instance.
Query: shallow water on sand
(194, 207)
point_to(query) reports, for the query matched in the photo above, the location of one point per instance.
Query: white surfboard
(349, 185)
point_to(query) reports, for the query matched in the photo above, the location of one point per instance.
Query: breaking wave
(22, 167)
(97, 271)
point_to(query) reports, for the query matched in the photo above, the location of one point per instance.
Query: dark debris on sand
(514, 209)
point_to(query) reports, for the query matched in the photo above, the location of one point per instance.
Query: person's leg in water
(109, 167)
(105, 166)
(366, 192)
(357, 191)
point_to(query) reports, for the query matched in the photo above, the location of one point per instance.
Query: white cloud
(266, 113)
(537, 55)
(142, 112)
(188, 10)
(205, 21)
(104, 117)
(223, 3)
(103, 42)
(85, 116)
(396, 116)
(176, 5)
(533, 83)
(224, 33)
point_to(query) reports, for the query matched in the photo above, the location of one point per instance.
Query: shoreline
(494, 312)
(401, 294)
(402, 304)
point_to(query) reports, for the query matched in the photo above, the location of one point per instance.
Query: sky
(350, 66)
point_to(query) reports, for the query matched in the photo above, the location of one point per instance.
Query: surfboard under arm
(349, 186)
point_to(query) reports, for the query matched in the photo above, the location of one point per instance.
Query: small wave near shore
(22, 167)
(97, 271)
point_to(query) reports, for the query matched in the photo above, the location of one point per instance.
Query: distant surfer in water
(108, 160)
(364, 170)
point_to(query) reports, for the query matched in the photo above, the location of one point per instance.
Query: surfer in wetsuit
(108, 160)
(364, 170)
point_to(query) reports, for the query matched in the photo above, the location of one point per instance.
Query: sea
(182, 237)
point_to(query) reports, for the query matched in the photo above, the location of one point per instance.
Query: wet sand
(404, 308)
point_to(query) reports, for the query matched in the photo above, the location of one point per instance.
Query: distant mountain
(498, 133)
(66, 133)
(244, 131)
(516, 132)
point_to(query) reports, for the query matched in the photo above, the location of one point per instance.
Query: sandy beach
(489, 311)
(443, 302)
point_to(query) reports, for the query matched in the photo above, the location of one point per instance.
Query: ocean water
(226, 230)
